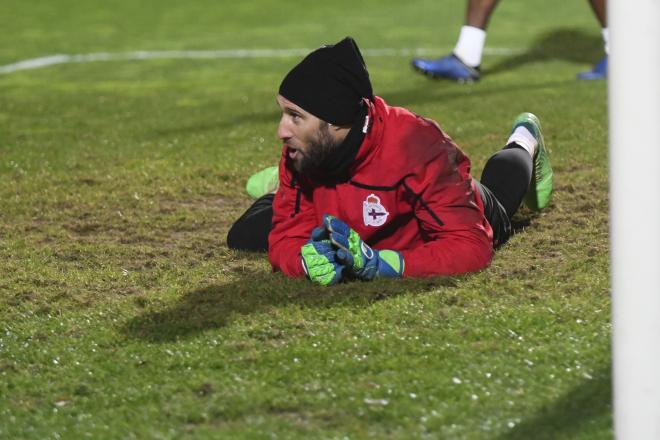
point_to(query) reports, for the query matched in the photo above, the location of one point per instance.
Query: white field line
(51, 60)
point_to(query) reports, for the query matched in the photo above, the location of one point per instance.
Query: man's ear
(338, 127)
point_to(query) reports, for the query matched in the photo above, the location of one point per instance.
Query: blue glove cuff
(390, 264)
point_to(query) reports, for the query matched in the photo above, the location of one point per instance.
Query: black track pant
(503, 185)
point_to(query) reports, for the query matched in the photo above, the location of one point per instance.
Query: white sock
(606, 39)
(470, 45)
(524, 138)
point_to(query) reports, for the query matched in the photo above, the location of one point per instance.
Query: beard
(315, 161)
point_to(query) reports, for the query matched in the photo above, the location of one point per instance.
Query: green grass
(124, 315)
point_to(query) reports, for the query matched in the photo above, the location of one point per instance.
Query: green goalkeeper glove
(319, 259)
(363, 261)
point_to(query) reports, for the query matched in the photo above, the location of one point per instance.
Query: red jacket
(410, 190)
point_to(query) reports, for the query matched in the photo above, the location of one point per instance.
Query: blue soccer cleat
(599, 71)
(450, 67)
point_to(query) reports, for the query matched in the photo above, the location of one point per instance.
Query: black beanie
(330, 83)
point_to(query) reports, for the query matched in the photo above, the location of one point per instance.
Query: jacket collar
(373, 128)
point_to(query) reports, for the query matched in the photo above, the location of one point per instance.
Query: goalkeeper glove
(363, 261)
(319, 259)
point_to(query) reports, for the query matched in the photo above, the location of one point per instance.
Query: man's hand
(363, 261)
(319, 259)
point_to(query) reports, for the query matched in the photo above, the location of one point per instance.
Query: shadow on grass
(572, 45)
(217, 306)
(586, 407)
(520, 222)
(417, 96)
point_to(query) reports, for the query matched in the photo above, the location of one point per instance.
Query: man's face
(307, 138)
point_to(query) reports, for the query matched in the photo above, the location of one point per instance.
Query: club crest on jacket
(373, 212)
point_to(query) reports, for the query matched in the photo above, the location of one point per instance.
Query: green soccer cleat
(264, 182)
(540, 190)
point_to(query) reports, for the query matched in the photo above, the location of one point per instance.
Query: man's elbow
(481, 260)
(479, 254)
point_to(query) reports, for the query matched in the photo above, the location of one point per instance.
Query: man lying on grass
(368, 190)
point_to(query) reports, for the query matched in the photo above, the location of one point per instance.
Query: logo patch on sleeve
(373, 212)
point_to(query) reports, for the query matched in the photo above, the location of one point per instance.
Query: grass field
(124, 315)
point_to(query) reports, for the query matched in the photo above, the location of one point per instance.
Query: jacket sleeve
(293, 221)
(458, 239)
